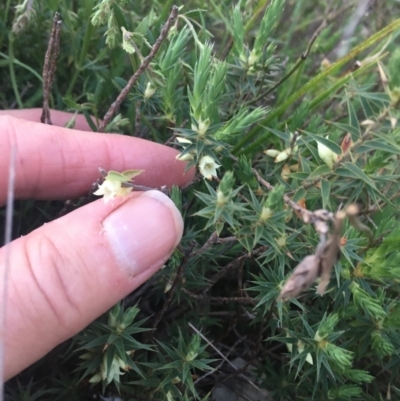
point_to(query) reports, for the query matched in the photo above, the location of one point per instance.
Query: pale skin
(68, 272)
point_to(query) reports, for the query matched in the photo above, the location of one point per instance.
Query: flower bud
(283, 155)
(326, 154)
(253, 58)
(150, 91)
(266, 214)
(272, 152)
(193, 349)
(203, 127)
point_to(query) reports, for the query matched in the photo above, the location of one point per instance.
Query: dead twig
(307, 215)
(296, 65)
(327, 253)
(49, 67)
(143, 66)
(137, 120)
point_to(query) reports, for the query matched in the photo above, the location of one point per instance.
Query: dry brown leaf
(303, 276)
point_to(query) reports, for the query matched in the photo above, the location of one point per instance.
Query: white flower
(111, 189)
(180, 139)
(208, 167)
(112, 185)
(326, 154)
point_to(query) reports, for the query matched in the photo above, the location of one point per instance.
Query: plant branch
(49, 67)
(299, 61)
(143, 66)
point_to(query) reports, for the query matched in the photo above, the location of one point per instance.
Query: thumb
(68, 272)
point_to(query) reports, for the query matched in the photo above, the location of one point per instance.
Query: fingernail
(143, 231)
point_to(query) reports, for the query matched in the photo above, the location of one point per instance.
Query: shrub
(285, 132)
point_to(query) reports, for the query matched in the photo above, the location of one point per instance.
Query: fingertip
(143, 232)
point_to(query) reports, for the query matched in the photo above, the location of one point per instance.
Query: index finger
(59, 163)
(58, 117)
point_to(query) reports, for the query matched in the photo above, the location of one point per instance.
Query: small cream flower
(326, 154)
(208, 167)
(112, 185)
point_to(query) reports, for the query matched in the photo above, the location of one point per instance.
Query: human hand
(68, 272)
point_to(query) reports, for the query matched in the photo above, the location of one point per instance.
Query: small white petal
(183, 140)
(208, 167)
(187, 157)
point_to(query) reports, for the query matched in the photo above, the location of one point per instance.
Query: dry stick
(137, 119)
(49, 67)
(221, 354)
(144, 64)
(222, 362)
(56, 51)
(307, 215)
(4, 271)
(241, 300)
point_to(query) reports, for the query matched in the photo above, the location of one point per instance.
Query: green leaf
(353, 171)
(299, 194)
(320, 170)
(334, 147)
(346, 128)
(353, 121)
(325, 193)
(375, 144)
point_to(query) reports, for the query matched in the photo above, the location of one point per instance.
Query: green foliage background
(219, 83)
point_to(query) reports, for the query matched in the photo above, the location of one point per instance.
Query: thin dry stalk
(49, 67)
(143, 66)
(137, 119)
(221, 354)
